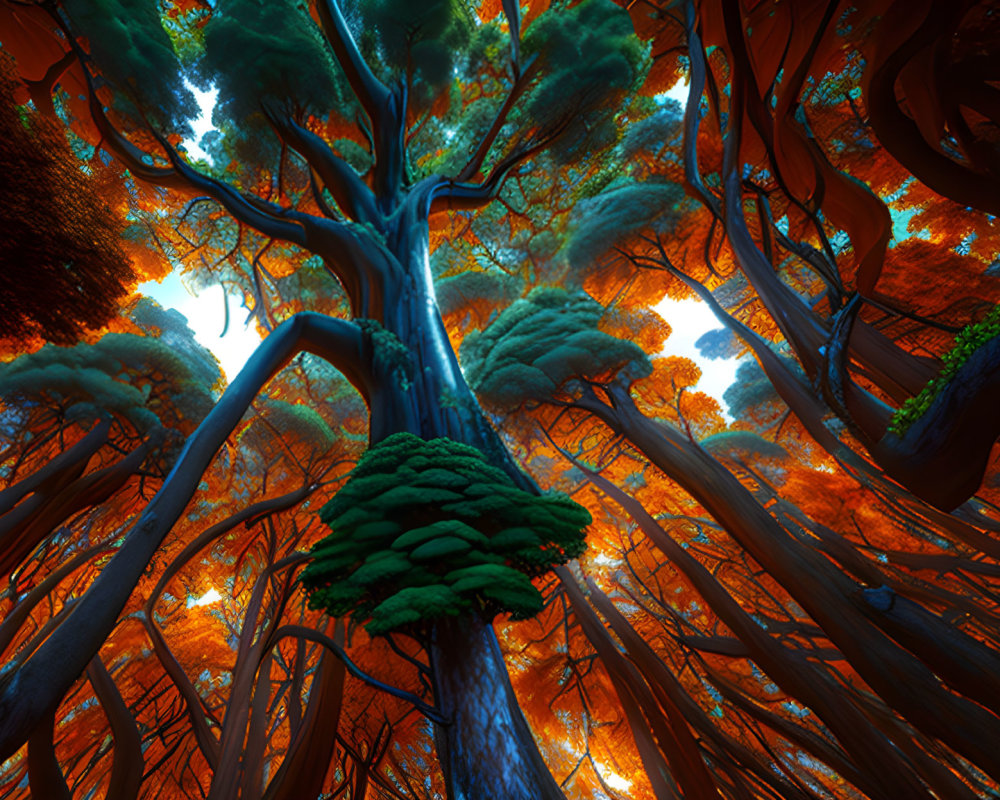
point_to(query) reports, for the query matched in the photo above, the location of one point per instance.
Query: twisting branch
(303, 632)
(351, 194)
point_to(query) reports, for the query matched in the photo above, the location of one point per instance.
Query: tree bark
(486, 749)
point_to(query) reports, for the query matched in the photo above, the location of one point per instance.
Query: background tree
(772, 603)
(60, 230)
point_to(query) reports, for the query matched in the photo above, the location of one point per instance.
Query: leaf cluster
(620, 209)
(135, 53)
(967, 341)
(539, 343)
(590, 56)
(144, 380)
(427, 529)
(258, 53)
(418, 40)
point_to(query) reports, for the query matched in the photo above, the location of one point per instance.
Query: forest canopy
(461, 527)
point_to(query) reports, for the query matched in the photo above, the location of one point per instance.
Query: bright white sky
(689, 319)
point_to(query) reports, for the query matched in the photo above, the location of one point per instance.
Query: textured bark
(486, 750)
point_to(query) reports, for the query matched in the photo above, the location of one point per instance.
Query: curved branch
(207, 743)
(54, 469)
(312, 635)
(899, 134)
(45, 776)
(692, 113)
(314, 743)
(450, 195)
(268, 218)
(348, 190)
(127, 763)
(30, 692)
(370, 91)
(19, 614)
(252, 211)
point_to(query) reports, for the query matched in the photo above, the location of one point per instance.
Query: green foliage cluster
(620, 209)
(269, 52)
(539, 343)
(967, 341)
(590, 53)
(427, 529)
(718, 343)
(279, 425)
(418, 39)
(750, 389)
(145, 380)
(128, 40)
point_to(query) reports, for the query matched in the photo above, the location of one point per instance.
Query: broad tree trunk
(486, 750)
(434, 400)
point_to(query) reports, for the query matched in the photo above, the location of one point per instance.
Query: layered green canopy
(427, 529)
(539, 343)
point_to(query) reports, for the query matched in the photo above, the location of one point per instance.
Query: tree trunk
(486, 750)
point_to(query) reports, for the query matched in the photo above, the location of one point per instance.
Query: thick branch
(45, 777)
(27, 694)
(299, 774)
(353, 197)
(207, 742)
(692, 113)
(370, 91)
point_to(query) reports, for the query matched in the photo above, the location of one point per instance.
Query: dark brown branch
(127, 764)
